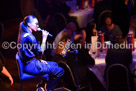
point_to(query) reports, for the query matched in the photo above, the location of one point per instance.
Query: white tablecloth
(83, 16)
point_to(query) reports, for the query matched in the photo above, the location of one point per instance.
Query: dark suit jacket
(120, 56)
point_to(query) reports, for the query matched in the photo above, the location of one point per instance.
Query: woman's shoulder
(29, 37)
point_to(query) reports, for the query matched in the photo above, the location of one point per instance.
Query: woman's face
(34, 25)
(108, 21)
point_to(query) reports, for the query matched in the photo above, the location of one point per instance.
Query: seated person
(90, 31)
(83, 60)
(111, 31)
(5, 72)
(31, 51)
(99, 8)
(119, 56)
(62, 38)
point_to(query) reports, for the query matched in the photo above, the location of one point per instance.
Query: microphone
(39, 29)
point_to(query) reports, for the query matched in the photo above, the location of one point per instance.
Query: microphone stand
(76, 52)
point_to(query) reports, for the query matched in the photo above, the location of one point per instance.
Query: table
(83, 16)
(99, 67)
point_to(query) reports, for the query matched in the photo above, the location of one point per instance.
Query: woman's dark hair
(28, 19)
(89, 31)
(23, 26)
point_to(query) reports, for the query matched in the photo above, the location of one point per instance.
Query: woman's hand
(11, 80)
(43, 61)
(45, 33)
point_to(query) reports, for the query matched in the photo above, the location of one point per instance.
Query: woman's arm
(6, 73)
(45, 35)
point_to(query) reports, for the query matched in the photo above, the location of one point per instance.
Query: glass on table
(101, 53)
(101, 36)
(92, 53)
(130, 41)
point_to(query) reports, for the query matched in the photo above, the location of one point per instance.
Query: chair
(69, 80)
(27, 77)
(117, 78)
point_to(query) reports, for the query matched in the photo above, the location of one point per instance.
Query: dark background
(9, 9)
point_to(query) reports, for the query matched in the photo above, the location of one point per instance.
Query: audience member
(90, 31)
(111, 30)
(82, 59)
(31, 51)
(121, 15)
(63, 37)
(83, 54)
(120, 56)
(100, 7)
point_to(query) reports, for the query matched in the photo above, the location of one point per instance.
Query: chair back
(117, 78)
(69, 80)
(20, 65)
(26, 77)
